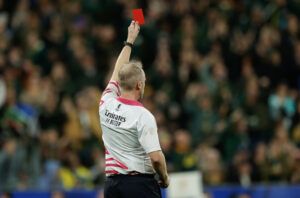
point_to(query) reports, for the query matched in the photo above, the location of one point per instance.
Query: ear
(139, 85)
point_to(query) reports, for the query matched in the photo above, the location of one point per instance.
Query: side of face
(141, 86)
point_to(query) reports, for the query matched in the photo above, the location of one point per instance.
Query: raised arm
(133, 31)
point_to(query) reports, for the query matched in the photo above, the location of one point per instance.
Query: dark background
(222, 81)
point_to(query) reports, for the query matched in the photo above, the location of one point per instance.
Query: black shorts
(131, 186)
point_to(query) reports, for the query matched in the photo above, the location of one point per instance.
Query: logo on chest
(114, 119)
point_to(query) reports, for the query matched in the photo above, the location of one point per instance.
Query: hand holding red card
(133, 31)
(138, 16)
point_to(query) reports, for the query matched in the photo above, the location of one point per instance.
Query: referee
(129, 132)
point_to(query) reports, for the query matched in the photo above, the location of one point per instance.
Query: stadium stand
(223, 83)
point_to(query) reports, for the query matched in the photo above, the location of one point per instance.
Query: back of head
(130, 74)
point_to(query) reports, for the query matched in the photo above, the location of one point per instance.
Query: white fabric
(129, 132)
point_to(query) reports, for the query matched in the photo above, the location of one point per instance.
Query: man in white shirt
(129, 132)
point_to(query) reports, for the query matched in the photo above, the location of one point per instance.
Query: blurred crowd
(223, 81)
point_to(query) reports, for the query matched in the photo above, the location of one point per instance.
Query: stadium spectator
(222, 82)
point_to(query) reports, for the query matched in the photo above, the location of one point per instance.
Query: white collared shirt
(129, 133)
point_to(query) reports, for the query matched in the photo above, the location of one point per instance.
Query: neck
(130, 95)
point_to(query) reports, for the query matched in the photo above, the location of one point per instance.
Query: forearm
(123, 58)
(160, 166)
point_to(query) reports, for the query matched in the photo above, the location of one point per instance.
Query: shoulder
(112, 90)
(146, 116)
(147, 113)
(105, 103)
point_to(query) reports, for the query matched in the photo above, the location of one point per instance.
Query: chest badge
(118, 108)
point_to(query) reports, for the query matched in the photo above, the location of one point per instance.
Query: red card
(138, 16)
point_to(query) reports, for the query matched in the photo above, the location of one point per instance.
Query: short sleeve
(147, 133)
(111, 91)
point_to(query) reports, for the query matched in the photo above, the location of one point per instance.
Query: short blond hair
(130, 74)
